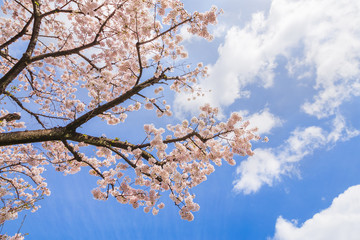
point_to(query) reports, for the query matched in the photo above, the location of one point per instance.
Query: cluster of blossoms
(18, 165)
(94, 59)
(175, 163)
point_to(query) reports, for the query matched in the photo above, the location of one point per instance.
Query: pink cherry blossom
(84, 61)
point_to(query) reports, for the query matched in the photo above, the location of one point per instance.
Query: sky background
(292, 68)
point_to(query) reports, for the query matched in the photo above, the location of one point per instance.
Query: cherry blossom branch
(24, 61)
(12, 184)
(96, 41)
(18, 35)
(165, 32)
(24, 173)
(106, 142)
(124, 41)
(59, 134)
(65, 52)
(11, 165)
(89, 61)
(122, 156)
(79, 158)
(10, 117)
(20, 137)
(138, 44)
(36, 116)
(127, 95)
(28, 10)
(187, 136)
(140, 63)
(59, 10)
(138, 51)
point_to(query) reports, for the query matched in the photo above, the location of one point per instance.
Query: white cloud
(319, 39)
(263, 168)
(340, 221)
(264, 120)
(238, 64)
(268, 165)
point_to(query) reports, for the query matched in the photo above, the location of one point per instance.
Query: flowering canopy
(84, 59)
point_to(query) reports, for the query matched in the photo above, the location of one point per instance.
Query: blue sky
(292, 68)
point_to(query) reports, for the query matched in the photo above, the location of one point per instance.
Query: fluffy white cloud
(319, 38)
(263, 168)
(239, 62)
(263, 120)
(267, 165)
(340, 221)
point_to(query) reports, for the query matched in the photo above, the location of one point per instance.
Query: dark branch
(95, 42)
(99, 110)
(24, 108)
(79, 159)
(165, 32)
(24, 61)
(10, 117)
(12, 138)
(123, 157)
(17, 36)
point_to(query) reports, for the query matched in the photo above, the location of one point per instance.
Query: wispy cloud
(268, 165)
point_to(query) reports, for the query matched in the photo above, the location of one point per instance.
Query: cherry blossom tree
(65, 63)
